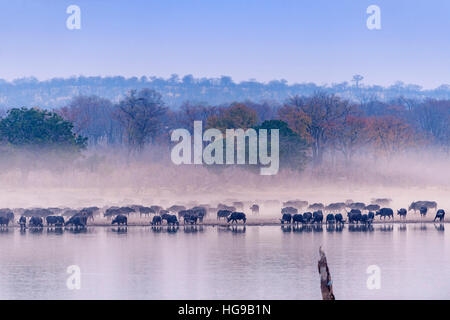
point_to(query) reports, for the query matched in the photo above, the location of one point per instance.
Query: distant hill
(58, 91)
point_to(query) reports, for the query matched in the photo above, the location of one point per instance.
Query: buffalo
(200, 212)
(385, 212)
(297, 218)
(317, 217)
(330, 218)
(120, 220)
(223, 214)
(171, 219)
(286, 218)
(36, 222)
(419, 204)
(339, 218)
(372, 207)
(440, 214)
(235, 216)
(289, 210)
(77, 221)
(4, 221)
(57, 221)
(423, 211)
(402, 213)
(255, 209)
(23, 222)
(157, 220)
(354, 216)
(307, 217)
(190, 218)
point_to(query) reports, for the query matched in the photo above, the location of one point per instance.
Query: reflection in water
(386, 227)
(55, 230)
(224, 262)
(120, 229)
(193, 228)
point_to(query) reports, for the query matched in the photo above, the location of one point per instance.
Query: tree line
(319, 129)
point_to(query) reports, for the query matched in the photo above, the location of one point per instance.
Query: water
(260, 262)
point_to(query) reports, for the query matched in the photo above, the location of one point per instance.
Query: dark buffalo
(440, 214)
(200, 212)
(57, 221)
(402, 213)
(371, 216)
(235, 216)
(354, 216)
(157, 220)
(172, 220)
(77, 221)
(23, 222)
(182, 213)
(364, 218)
(36, 222)
(423, 211)
(190, 218)
(297, 218)
(317, 217)
(330, 218)
(120, 220)
(7, 213)
(286, 218)
(4, 222)
(385, 212)
(339, 218)
(307, 217)
(223, 214)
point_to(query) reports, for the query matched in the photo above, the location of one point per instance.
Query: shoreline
(269, 222)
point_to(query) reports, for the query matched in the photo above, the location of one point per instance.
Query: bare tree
(141, 114)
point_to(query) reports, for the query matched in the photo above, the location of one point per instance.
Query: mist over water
(115, 177)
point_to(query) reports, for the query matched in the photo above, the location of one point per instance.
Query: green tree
(40, 129)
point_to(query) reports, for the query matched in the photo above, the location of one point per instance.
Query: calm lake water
(258, 262)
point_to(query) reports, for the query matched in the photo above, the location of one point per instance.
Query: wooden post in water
(326, 285)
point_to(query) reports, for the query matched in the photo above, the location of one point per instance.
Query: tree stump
(326, 284)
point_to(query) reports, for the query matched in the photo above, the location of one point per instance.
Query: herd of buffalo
(356, 212)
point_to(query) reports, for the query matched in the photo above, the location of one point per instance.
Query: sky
(321, 41)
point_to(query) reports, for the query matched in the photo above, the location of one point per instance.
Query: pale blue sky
(300, 41)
